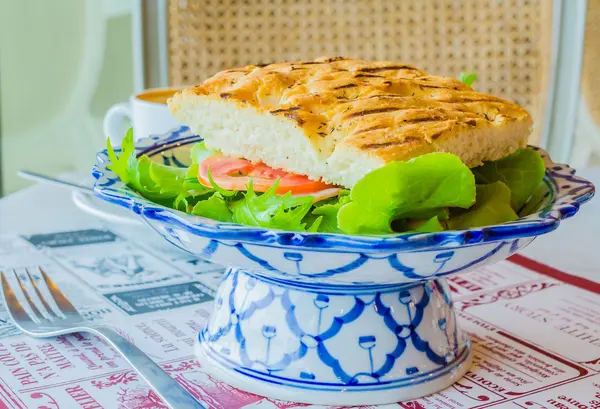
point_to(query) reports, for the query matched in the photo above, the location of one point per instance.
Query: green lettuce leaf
(424, 184)
(223, 192)
(168, 185)
(425, 194)
(125, 165)
(215, 207)
(141, 179)
(493, 206)
(168, 179)
(523, 173)
(425, 214)
(314, 227)
(432, 224)
(270, 210)
(467, 79)
(134, 172)
(199, 152)
(191, 190)
(191, 184)
(171, 182)
(537, 201)
(427, 226)
(329, 214)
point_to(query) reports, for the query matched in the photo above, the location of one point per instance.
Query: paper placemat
(535, 331)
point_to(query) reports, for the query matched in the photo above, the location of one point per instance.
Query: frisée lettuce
(432, 192)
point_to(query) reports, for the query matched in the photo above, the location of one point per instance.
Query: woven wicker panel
(504, 41)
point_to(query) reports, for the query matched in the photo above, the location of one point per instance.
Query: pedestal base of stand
(333, 345)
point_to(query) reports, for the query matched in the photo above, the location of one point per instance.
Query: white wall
(62, 64)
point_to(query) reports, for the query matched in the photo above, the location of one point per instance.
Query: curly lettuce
(215, 207)
(168, 185)
(433, 192)
(272, 210)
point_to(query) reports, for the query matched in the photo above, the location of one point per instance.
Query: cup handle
(113, 121)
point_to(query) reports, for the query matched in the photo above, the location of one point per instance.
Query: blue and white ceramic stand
(337, 319)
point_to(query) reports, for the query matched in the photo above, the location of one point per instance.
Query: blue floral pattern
(377, 340)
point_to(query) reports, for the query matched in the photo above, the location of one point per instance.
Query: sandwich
(339, 145)
(337, 119)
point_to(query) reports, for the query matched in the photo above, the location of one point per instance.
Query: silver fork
(46, 321)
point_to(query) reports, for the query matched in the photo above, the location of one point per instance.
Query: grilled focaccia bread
(337, 119)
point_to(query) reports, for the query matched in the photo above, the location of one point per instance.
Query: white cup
(147, 112)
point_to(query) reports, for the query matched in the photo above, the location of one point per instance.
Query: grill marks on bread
(371, 111)
(374, 106)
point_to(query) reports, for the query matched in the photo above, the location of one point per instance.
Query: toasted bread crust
(388, 111)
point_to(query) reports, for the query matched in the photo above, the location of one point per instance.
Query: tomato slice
(235, 173)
